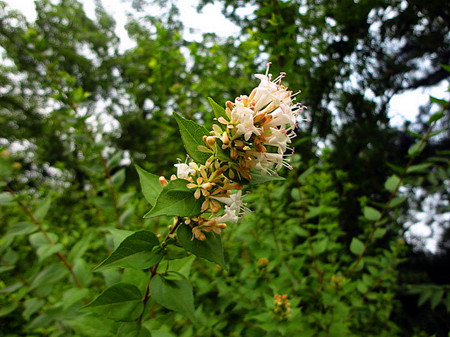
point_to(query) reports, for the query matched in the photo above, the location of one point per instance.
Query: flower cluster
(281, 307)
(253, 134)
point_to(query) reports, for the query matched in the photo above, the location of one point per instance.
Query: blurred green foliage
(76, 112)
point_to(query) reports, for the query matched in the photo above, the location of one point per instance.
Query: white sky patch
(405, 106)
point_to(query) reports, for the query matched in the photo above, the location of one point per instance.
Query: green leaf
(93, 326)
(176, 200)
(39, 239)
(21, 228)
(424, 296)
(31, 306)
(126, 218)
(356, 247)
(114, 160)
(73, 296)
(416, 148)
(391, 183)
(217, 109)
(133, 329)
(80, 247)
(118, 235)
(418, 168)
(379, 233)
(151, 188)
(371, 213)
(138, 251)
(192, 136)
(120, 302)
(210, 249)
(5, 198)
(397, 201)
(182, 266)
(6, 309)
(320, 246)
(436, 298)
(446, 67)
(258, 178)
(48, 249)
(118, 178)
(174, 295)
(49, 275)
(438, 115)
(43, 208)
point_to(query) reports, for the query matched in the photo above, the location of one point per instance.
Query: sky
(402, 107)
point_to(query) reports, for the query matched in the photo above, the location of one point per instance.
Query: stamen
(267, 68)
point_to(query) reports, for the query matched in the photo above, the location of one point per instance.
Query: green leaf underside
(371, 213)
(136, 252)
(176, 200)
(209, 249)
(174, 295)
(120, 302)
(151, 188)
(356, 246)
(217, 109)
(391, 183)
(192, 136)
(258, 178)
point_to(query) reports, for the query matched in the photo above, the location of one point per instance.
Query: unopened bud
(225, 138)
(4, 153)
(163, 181)
(16, 165)
(221, 225)
(210, 140)
(263, 262)
(158, 236)
(207, 186)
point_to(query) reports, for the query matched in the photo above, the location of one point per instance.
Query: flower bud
(210, 140)
(163, 181)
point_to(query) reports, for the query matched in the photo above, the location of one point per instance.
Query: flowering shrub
(247, 146)
(249, 141)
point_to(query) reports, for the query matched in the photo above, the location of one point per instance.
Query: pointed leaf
(210, 249)
(192, 136)
(120, 302)
(150, 185)
(138, 251)
(176, 200)
(217, 109)
(258, 178)
(174, 295)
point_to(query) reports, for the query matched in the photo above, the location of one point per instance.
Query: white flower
(279, 138)
(282, 116)
(234, 202)
(242, 117)
(183, 170)
(229, 216)
(265, 162)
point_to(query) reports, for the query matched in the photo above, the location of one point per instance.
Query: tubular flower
(253, 135)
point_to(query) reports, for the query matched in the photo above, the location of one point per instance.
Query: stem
(61, 256)
(155, 268)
